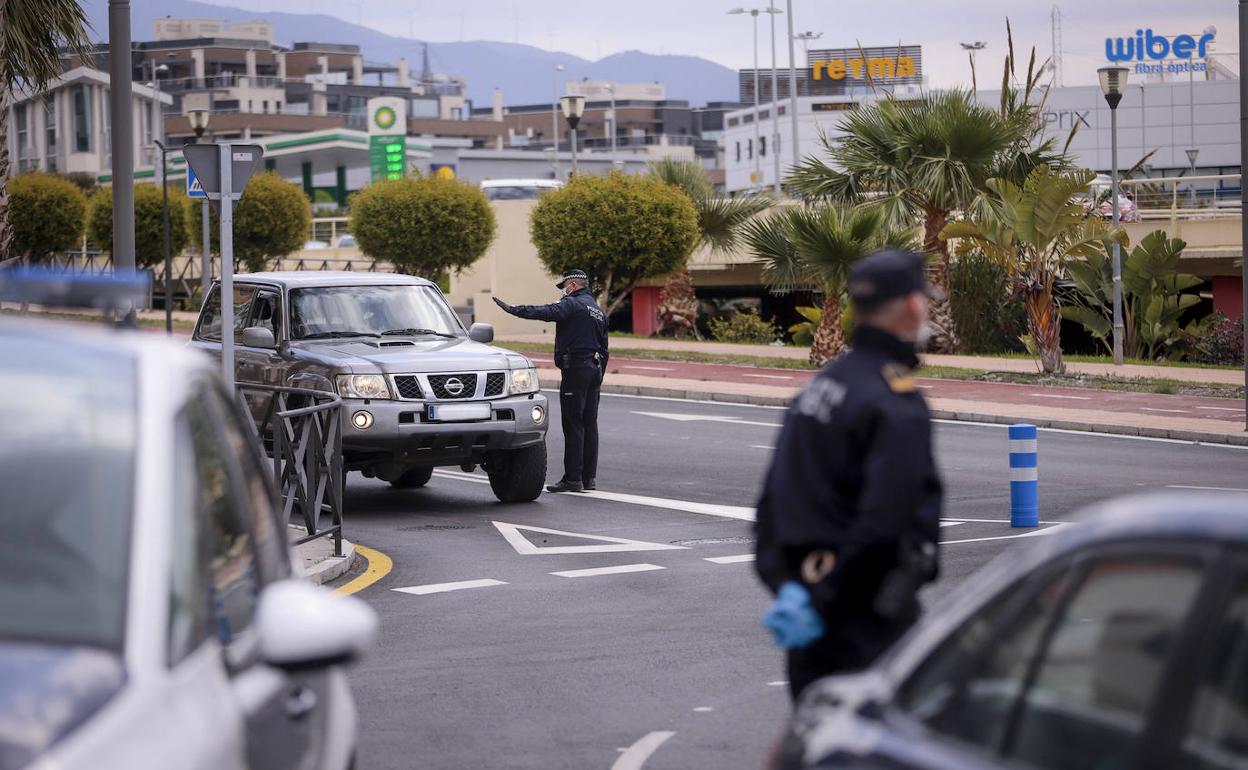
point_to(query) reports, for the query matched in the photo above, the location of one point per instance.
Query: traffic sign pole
(227, 266)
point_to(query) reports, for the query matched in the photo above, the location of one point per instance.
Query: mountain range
(523, 73)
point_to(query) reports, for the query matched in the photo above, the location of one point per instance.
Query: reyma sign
(1151, 49)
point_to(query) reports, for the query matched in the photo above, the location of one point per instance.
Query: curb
(333, 567)
(1199, 437)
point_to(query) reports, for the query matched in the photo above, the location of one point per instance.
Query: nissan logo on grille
(454, 386)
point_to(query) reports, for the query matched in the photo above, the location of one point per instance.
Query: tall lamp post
(611, 93)
(1113, 84)
(771, 11)
(758, 161)
(158, 130)
(573, 108)
(122, 131)
(554, 112)
(199, 124)
(1191, 185)
(805, 37)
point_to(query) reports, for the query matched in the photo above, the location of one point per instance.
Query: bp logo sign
(385, 117)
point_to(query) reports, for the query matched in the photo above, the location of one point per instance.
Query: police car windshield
(67, 475)
(334, 311)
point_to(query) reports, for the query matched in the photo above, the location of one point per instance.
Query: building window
(106, 127)
(277, 107)
(145, 118)
(24, 151)
(733, 122)
(738, 146)
(264, 106)
(49, 124)
(82, 119)
(749, 149)
(762, 146)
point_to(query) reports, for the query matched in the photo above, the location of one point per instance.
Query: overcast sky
(596, 28)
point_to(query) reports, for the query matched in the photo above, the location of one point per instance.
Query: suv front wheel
(517, 475)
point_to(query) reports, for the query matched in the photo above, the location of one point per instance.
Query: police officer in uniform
(850, 510)
(581, 355)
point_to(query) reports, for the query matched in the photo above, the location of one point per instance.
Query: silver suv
(418, 390)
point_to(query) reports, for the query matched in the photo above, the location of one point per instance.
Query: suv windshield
(370, 310)
(67, 475)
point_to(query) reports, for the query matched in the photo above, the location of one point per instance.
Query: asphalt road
(533, 669)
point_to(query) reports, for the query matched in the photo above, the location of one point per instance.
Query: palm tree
(32, 34)
(1034, 230)
(719, 224)
(814, 247)
(921, 160)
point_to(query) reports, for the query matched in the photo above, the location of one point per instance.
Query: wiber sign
(1153, 53)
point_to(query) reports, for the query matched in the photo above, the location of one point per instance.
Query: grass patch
(1158, 385)
(1078, 358)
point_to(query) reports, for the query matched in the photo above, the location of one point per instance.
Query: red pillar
(645, 310)
(1228, 295)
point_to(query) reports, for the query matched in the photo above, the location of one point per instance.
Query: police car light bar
(56, 288)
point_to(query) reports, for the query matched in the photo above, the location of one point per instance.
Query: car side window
(1086, 701)
(189, 610)
(1217, 731)
(210, 317)
(265, 312)
(233, 585)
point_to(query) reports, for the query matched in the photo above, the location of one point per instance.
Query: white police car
(150, 616)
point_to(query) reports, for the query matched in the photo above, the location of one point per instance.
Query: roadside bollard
(1024, 477)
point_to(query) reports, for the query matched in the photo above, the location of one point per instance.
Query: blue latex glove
(792, 618)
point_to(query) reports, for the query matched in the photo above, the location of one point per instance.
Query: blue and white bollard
(1024, 477)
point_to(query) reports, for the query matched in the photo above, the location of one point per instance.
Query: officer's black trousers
(578, 402)
(851, 644)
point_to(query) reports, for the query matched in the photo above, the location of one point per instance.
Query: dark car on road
(418, 389)
(1118, 643)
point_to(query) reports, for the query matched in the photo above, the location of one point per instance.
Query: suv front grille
(408, 386)
(467, 386)
(495, 383)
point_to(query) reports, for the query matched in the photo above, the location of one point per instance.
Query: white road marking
(1083, 433)
(784, 377)
(702, 709)
(1054, 395)
(739, 512)
(511, 533)
(706, 418)
(637, 754)
(1211, 489)
(1032, 533)
(646, 368)
(946, 523)
(731, 559)
(1219, 409)
(439, 588)
(619, 569)
(779, 683)
(1167, 411)
(761, 446)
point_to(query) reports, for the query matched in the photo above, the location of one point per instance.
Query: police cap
(572, 275)
(886, 275)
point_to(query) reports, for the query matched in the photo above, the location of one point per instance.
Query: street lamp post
(158, 130)
(573, 108)
(758, 161)
(611, 93)
(1113, 84)
(122, 131)
(775, 102)
(1191, 184)
(554, 112)
(199, 124)
(805, 36)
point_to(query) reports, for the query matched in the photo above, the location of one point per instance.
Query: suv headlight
(524, 381)
(362, 386)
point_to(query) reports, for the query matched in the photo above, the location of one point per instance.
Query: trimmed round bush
(47, 215)
(148, 233)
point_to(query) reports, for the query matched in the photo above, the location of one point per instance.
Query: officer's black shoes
(566, 486)
(589, 484)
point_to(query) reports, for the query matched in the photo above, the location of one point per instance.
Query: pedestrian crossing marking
(512, 534)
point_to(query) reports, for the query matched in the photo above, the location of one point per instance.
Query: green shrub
(986, 319)
(620, 229)
(47, 215)
(1219, 341)
(425, 226)
(746, 327)
(148, 232)
(271, 220)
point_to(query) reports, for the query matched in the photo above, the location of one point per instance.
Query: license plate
(457, 412)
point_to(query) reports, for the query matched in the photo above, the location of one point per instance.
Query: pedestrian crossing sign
(193, 188)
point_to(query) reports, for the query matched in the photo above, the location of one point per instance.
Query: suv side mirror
(483, 333)
(258, 337)
(303, 626)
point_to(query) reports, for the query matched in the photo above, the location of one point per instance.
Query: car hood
(48, 692)
(410, 354)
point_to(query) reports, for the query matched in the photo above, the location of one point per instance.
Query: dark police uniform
(851, 504)
(581, 355)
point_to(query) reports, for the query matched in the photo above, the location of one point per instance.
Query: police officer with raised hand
(849, 516)
(581, 355)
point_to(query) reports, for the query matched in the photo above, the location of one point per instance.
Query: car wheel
(517, 476)
(413, 478)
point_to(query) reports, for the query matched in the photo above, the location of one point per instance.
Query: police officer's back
(581, 354)
(849, 515)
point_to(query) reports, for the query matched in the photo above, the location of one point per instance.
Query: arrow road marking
(634, 758)
(706, 418)
(511, 533)
(440, 588)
